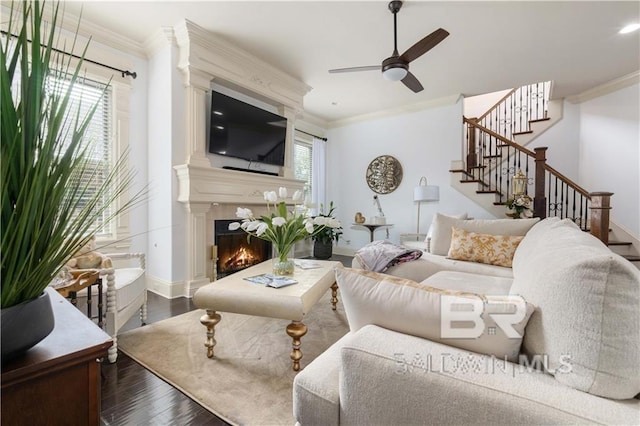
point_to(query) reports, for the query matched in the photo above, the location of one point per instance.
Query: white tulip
(297, 196)
(278, 221)
(253, 225)
(282, 191)
(309, 227)
(261, 229)
(271, 196)
(244, 213)
(234, 225)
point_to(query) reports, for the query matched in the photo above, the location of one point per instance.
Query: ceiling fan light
(394, 74)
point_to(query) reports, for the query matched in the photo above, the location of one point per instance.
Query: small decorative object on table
(521, 206)
(281, 227)
(359, 218)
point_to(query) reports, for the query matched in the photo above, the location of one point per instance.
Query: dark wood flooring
(132, 395)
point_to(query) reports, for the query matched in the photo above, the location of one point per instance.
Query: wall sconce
(519, 184)
(424, 192)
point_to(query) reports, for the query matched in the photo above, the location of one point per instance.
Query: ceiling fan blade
(412, 83)
(424, 45)
(354, 69)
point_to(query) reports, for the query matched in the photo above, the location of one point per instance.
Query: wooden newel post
(539, 199)
(599, 207)
(472, 159)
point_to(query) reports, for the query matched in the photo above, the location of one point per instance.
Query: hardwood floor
(132, 395)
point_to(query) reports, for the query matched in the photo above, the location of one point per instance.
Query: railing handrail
(504, 98)
(568, 181)
(499, 137)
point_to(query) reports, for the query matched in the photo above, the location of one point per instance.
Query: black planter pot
(25, 325)
(322, 250)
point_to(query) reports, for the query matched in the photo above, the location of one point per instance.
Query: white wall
(476, 106)
(610, 153)
(425, 142)
(563, 142)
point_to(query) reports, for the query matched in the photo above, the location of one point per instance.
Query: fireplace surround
(206, 192)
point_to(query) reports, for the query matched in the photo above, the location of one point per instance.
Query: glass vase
(282, 261)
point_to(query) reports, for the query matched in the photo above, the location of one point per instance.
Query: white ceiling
(492, 46)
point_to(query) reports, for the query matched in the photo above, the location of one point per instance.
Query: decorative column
(600, 207)
(539, 200)
(197, 86)
(196, 246)
(290, 115)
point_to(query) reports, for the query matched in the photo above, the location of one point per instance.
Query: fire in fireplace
(235, 252)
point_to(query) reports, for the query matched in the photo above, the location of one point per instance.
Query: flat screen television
(244, 131)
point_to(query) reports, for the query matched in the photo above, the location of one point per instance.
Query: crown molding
(212, 55)
(606, 88)
(405, 109)
(162, 38)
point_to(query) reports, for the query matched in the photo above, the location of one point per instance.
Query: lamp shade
(426, 193)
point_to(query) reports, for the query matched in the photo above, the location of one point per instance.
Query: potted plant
(521, 206)
(323, 239)
(50, 198)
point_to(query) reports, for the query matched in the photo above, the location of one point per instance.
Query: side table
(372, 227)
(84, 278)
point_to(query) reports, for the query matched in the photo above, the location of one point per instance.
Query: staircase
(495, 150)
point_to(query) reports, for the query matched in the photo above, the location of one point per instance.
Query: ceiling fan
(396, 67)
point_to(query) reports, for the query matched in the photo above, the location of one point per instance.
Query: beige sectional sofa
(578, 361)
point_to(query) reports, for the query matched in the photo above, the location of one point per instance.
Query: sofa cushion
(472, 283)
(443, 225)
(587, 313)
(483, 248)
(446, 316)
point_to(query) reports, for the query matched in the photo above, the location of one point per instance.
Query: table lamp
(424, 192)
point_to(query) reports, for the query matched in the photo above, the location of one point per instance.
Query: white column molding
(196, 116)
(196, 246)
(290, 115)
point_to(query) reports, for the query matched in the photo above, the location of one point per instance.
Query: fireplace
(234, 251)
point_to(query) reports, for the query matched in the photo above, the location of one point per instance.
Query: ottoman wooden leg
(209, 320)
(296, 330)
(334, 296)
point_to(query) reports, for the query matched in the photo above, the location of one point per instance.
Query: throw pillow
(463, 320)
(462, 216)
(442, 228)
(483, 248)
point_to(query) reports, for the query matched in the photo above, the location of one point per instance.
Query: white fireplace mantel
(205, 57)
(214, 185)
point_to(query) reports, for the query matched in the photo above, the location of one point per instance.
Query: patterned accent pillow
(483, 248)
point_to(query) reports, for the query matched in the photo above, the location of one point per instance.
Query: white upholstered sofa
(582, 325)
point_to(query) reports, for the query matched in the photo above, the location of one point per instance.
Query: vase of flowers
(521, 206)
(331, 230)
(282, 227)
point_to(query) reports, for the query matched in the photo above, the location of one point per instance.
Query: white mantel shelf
(197, 184)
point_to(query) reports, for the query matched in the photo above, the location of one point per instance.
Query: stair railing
(493, 159)
(513, 114)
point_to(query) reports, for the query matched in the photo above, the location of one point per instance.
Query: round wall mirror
(384, 174)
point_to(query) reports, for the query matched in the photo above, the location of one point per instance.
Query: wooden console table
(57, 382)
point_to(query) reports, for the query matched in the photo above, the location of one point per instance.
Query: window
(98, 136)
(302, 162)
